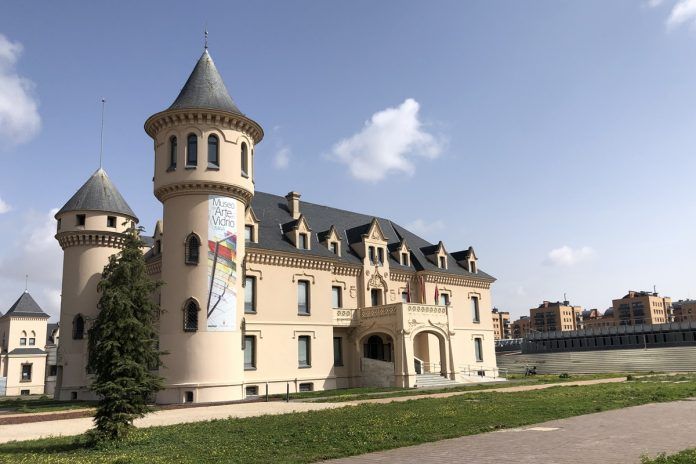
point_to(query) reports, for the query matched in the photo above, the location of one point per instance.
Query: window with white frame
(336, 297)
(478, 349)
(304, 354)
(250, 294)
(303, 297)
(475, 315)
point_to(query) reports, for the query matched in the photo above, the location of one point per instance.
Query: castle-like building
(262, 292)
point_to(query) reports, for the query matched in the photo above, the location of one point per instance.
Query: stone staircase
(434, 380)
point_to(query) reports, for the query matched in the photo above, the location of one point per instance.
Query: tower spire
(205, 44)
(101, 137)
(26, 283)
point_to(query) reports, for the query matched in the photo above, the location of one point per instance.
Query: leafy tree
(123, 347)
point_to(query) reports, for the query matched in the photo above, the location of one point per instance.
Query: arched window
(172, 152)
(245, 159)
(192, 150)
(191, 309)
(78, 332)
(192, 251)
(213, 152)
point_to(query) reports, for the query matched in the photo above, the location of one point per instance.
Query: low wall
(671, 359)
(377, 373)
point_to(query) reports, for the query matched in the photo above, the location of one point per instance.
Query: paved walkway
(612, 437)
(67, 427)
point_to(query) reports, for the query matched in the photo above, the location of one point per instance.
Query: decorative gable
(467, 259)
(331, 240)
(298, 233)
(402, 253)
(437, 255)
(375, 233)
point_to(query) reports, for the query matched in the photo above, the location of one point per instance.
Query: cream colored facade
(684, 310)
(305, 305)
(23, 355)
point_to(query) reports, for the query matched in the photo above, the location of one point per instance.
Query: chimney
(293, 204)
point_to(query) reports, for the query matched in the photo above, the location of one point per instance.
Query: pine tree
(123, 347)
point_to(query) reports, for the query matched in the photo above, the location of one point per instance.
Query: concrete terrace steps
(434, 380)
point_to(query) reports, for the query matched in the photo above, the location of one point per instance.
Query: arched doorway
(429, 353)
(379, 347)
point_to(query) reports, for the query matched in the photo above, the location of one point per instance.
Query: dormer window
(371, 255)
(249, 233)
(443, 262)
(472, 267)
(404, 259)
(333, 247)
(380, 256)
(302, 241)
(158, 247)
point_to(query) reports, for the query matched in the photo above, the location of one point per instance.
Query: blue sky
(557, 138)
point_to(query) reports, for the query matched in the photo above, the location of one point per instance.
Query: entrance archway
(429, 353)
(379, 347)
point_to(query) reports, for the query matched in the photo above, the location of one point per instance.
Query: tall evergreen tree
(123, 347)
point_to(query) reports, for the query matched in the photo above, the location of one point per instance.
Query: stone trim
(217, 118)
(91, 238)
(204, 187)
(258, 256)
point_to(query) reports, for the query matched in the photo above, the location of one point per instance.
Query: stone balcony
(398, 315)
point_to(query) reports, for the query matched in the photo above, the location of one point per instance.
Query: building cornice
(91, 238)
(217, 118)
(154, 265)
(441, 278)
(275, 258)
(203, 187)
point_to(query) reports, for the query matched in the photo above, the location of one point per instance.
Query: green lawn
(39, 404)
(314, 436)
(684, 457)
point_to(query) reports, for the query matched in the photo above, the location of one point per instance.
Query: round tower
(90, 229)
(204, 175)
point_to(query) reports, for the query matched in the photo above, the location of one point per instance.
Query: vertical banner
(222, 263)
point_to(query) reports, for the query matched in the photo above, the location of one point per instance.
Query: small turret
(90, 229)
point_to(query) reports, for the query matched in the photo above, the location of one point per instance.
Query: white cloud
(4, 207)
(19, 115)
(387, 143)
(683, 12)
(37, 254)
(654, 3)
(567, 256)
(425, 229)
(281, 160)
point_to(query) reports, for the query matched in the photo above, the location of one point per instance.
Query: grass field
(684, 457)
(41, 404)
(313, 436)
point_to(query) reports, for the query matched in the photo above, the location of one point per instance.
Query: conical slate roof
(26, 306)
(205, 89)
(98, 194)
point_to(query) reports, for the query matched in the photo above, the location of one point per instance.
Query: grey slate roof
(272, 213)
(205, 89)
(26, 306)
(98, 194)
(26, 351)
(49, 332)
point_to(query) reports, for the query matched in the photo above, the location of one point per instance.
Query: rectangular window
(333, 247)
(376, 296)
(23, 341)
(380, 256)
(26, 372)
(404, 297)
(59, 223)
(24, 392)
(32, 341)
(371, 254)
(336, 297)
(302, 245)
(306, 387)
(472, 266)
(304, 355)
(338, 351)
(80, 219)
(475, 316)
(404, 259)
(52, 370)
(249, 352)
(303, 297)
(442, 262)
(478, 348)
(111, 221)
(250, 295)
(249, 233)
(444, 299)
(252, 390)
